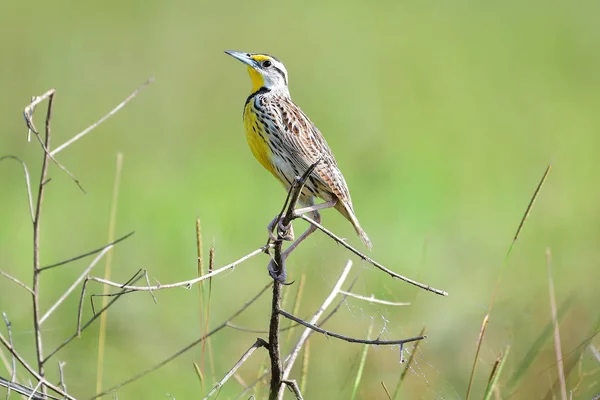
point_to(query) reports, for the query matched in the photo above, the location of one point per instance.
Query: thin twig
(307, 332)
(81, 328)
(258, 344)
(101, 120)
(25, 391)
(59, 165)
(36, 231)
(27, 183)
(372, 299)
(15, 280)
(248, 330)
(293, 385)
(370, 260)
(376, 342)
(28, 112)
(34, 391)
(408, 364)
(13, 370)
(61, 373)
(183, 350)
(32, 371)
(81, 277)
(186, 284)
(303, 345)
(89, 253)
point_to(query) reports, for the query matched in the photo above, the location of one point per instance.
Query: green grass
(442, 117)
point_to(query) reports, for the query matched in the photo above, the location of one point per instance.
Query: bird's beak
(243, 57)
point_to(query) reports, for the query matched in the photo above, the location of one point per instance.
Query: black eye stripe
(282, 74)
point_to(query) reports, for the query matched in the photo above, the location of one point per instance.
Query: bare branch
(259, 343)
(274, 350)
(347, 338)
(37, 376)
(296, 350)
(372, 299)
(13, 369)
(15, 280)
(185, 284)
(25, 391)
(75, 284)
(36, 224)
(61, 373)
(59, 165)
(294, 388)
(329, 315)
(27, 182)
(249, 330)
(409, 364)
(186, 348)
(89, 253)
(370, 260)
(29, 110)
(80, 328)
(101, 120)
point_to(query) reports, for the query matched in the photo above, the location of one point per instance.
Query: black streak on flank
(263, 138)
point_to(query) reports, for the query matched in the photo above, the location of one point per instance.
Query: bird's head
(265, 71)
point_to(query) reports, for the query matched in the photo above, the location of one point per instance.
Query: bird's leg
(307, 232)
(315, 207)
(288, 231)
(272, 268)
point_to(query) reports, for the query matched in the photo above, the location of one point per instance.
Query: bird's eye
(267, 64)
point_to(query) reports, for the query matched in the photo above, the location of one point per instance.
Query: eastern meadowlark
(287, 143)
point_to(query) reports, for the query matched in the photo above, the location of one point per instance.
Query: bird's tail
(347, 212)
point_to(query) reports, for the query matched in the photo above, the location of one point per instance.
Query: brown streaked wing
(306, 144)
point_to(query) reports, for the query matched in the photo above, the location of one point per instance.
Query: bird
(286, 143)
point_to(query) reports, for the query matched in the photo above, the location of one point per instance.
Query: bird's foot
(278, 272)
(283, 232)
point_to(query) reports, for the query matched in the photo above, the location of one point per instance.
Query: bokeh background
(443, 117)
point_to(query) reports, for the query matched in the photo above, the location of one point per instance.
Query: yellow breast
(258, 140)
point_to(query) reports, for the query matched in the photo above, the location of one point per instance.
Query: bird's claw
(285, 232)
(272, 236)
(278, 274)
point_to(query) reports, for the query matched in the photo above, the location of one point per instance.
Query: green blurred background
(442, 115)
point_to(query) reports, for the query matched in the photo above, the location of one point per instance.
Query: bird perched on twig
(287, 143)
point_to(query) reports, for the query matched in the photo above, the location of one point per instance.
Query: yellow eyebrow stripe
(260, 57)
